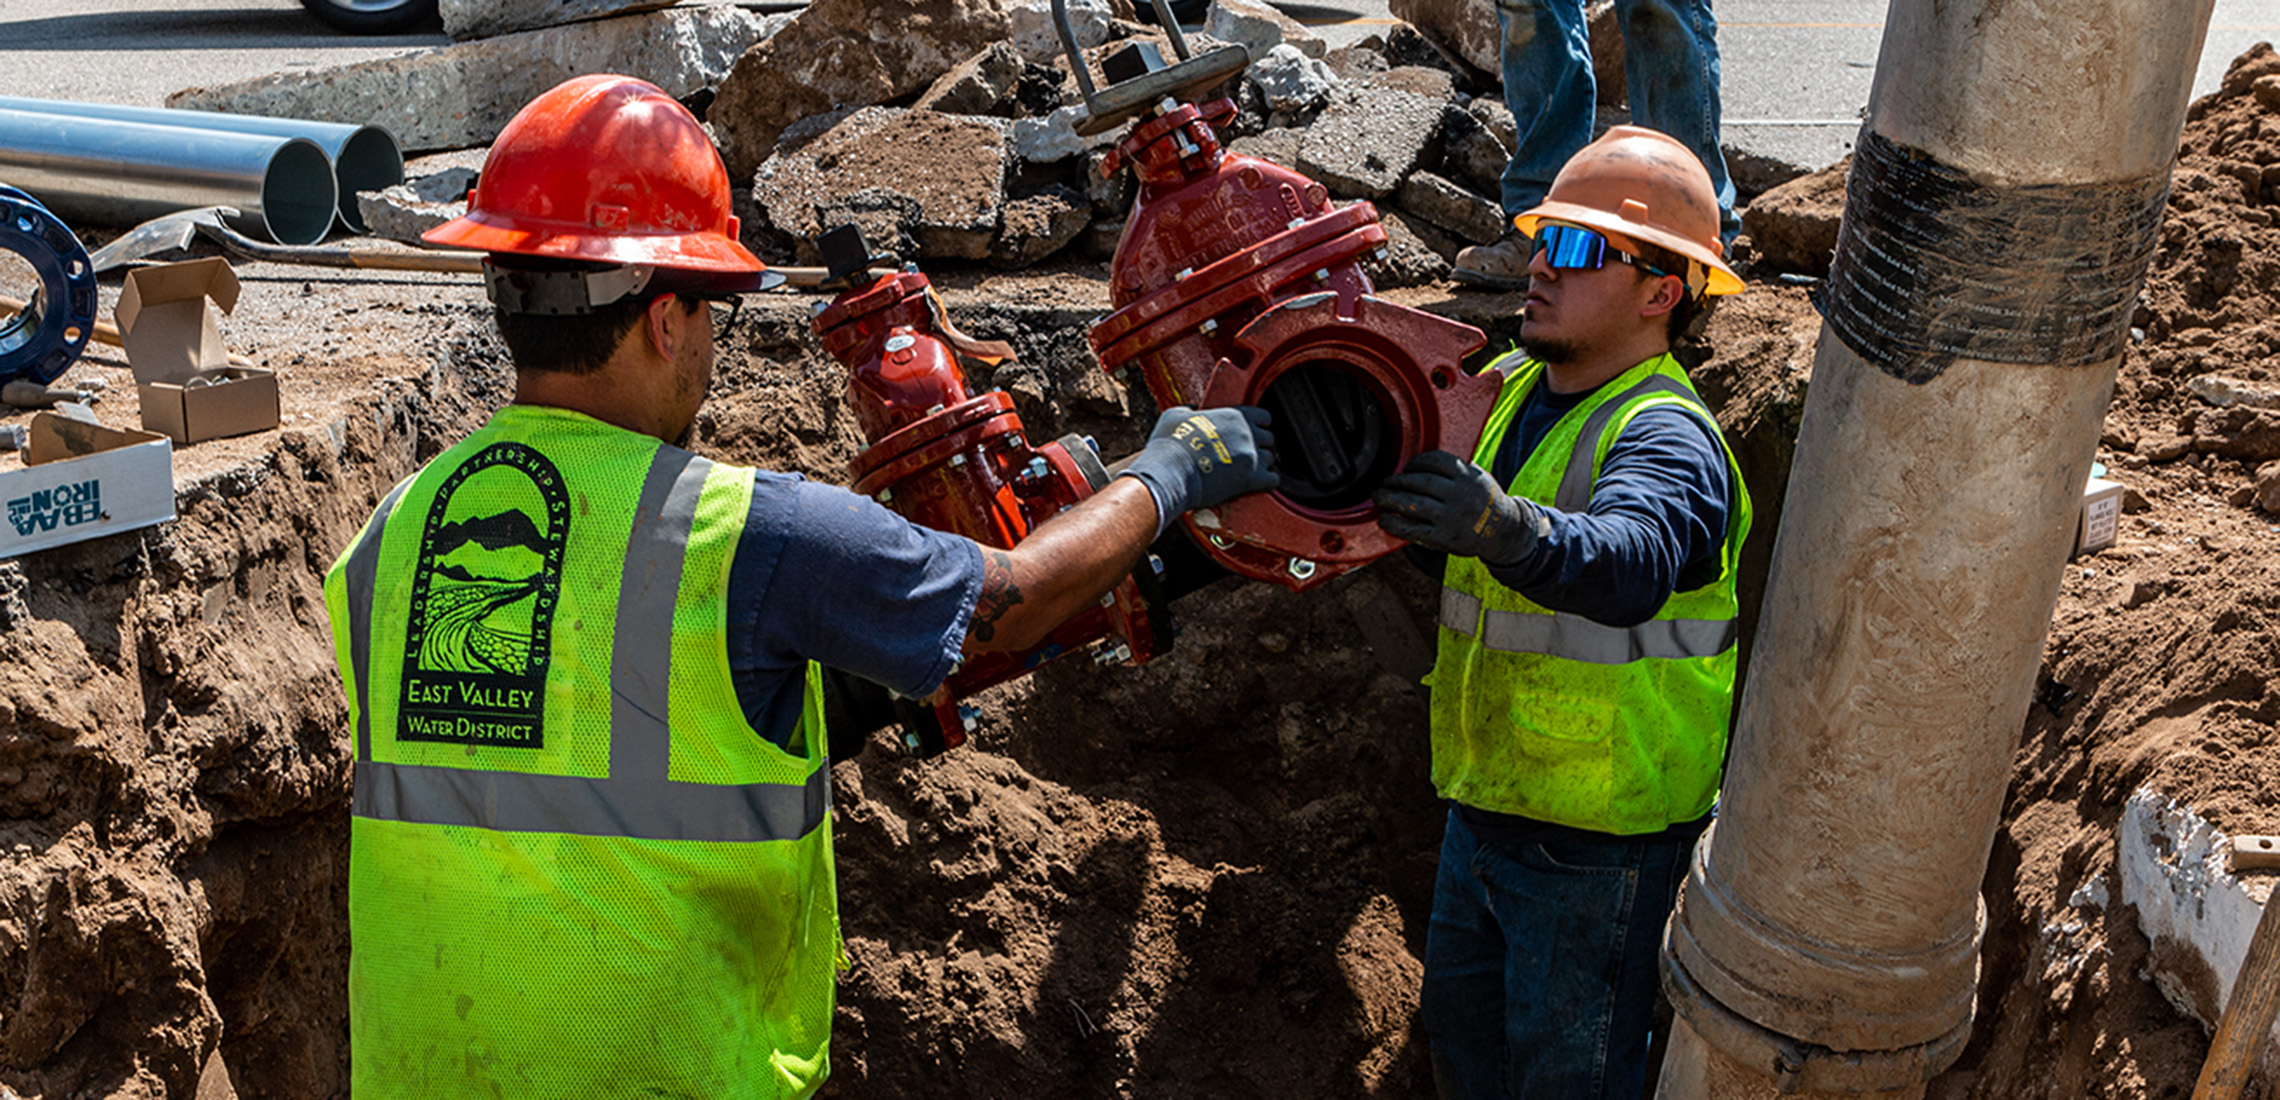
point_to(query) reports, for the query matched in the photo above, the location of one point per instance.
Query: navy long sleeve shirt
(1655, 525)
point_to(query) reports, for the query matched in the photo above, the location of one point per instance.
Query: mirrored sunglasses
(1574, 248)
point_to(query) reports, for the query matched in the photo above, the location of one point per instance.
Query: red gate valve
(1237, 281)
(954, 461)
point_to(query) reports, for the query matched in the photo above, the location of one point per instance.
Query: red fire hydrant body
(1237, 282)
(960, 462)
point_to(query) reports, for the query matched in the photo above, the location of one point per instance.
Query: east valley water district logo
(490, 572)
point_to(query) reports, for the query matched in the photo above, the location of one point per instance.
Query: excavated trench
(1209, 876)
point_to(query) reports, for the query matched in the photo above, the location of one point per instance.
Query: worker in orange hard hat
(1585, 675)
(590, 846)
(1671, 74)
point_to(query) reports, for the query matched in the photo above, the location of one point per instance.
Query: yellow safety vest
(575, 868)
(1553, 716)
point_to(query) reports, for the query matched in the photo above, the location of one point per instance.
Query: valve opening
(20, 281)
(1333, 438)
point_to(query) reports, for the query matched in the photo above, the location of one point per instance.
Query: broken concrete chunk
(1093, 22)
(1417, 79)
(1368, 140)
(1279, 146)
(2195, 913)
(1355, 62)
(953, 206)
(452, 97)
(1409, 259)
(1471, 153)
(1289, 80)
(844, 53)
(470, 19)
(1492, 113)
(1465, 28)
(402, 212)
(1452, 208)
(419, 168)
(1055, 137)
(1036, 226)
(1794, 226)
(2223, 392)
(979, 85)
(1259, 26)
(1111, 195)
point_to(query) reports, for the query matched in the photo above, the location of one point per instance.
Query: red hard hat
(607, 169)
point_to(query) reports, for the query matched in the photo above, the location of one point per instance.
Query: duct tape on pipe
(42, 340)
(1932, 266)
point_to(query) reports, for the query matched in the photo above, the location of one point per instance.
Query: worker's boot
(1499, 266)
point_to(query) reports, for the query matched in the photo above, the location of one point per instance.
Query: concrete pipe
(364, 158)
(2005, 200)
(92, 171)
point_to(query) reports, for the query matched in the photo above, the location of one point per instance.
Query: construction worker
(1670, 69)
(1585, 673)
(590, 851)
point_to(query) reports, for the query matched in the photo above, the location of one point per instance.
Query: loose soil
(1208, 876)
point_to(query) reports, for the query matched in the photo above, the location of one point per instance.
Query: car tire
(372, 16)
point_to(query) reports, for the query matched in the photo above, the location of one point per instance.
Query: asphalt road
(1796, 72)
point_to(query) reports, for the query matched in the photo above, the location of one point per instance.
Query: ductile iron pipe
(94, 171)
(364, 158)
(2004, 204)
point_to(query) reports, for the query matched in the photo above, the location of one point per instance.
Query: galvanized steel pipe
(93, 171)
(2004, 204)
(364, 158)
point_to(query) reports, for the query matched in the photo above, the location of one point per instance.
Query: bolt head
(1301, 569)
(1210, 327)
(886, 496)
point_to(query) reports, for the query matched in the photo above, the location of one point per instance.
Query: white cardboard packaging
(2101, 516)
(82, 481)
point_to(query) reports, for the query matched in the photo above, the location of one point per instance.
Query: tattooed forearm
(999, 594)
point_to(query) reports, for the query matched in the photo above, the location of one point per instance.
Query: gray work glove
(1442, 502)
(1202, 458)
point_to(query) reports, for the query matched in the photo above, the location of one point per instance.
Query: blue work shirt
(1655, 524)
(823, 574)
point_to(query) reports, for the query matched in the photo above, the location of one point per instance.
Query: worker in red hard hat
(1584, 681)
(590, 847)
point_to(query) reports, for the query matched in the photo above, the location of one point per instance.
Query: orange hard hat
(609, 170)
(1644, 185)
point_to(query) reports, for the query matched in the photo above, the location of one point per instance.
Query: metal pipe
(100, 172)
(2004, 204)
(364, 158)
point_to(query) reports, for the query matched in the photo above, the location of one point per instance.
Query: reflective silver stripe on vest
(1575, 483)
(1579, 639)
(1460, 611)
(637, 800)
(362, 573)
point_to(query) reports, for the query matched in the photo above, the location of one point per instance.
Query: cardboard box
(2101, 519)
(183, 378)
(82, 481)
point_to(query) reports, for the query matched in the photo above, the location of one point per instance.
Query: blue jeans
(1542, 964)
(1670, 69)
